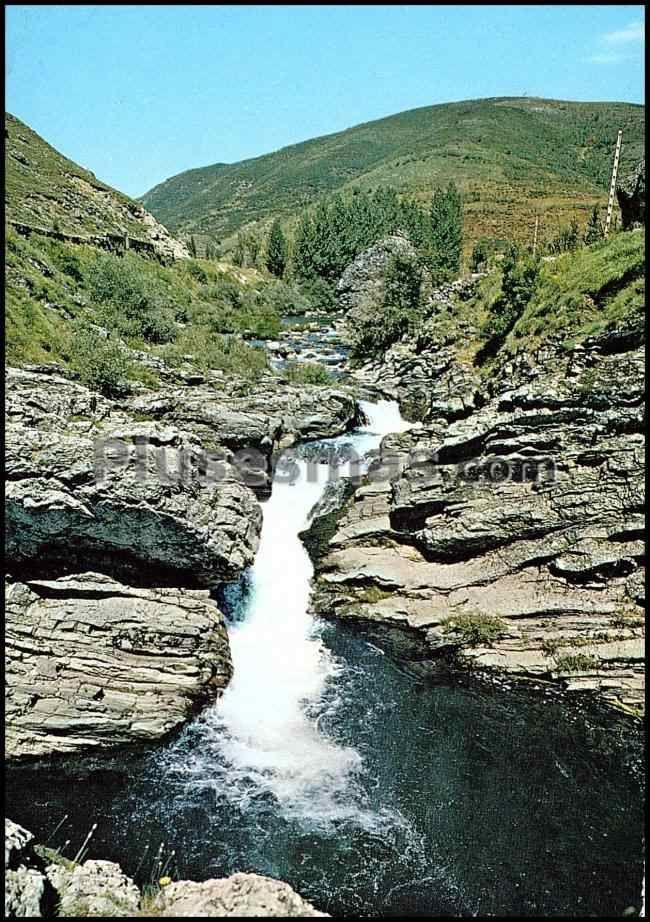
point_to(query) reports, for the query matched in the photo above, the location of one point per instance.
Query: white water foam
(263, 733)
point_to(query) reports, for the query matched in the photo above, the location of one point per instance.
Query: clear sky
(139, 93)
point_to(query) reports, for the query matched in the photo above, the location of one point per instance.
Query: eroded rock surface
(243, 895)
(94, 664)
(631, 197)
(37, 888)
(528, 510)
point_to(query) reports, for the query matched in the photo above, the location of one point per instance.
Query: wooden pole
(535, 237)
(612, 187)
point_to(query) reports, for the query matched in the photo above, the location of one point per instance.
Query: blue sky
(138, 93)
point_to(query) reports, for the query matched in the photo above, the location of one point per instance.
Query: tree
(276, 250)
(303, 248)
(518, 285)
(210, 251)
(479, 258)
(192, 247)
(595, 229)
(446, 235)
(402, 285)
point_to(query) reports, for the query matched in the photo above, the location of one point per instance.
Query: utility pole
(535, 236)
(612, 188)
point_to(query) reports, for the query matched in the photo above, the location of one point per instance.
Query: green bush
(100, 361)
(129, 301)
(399, 313)
(214, 352)
(474, 628)
(576, 662)
(307, 373)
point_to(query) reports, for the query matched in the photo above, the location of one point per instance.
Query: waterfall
(261, 726)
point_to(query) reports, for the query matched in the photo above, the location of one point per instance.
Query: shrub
(400, 312)
(518, 285)
(211, 351)
(100, 361)
(129, 301)
(306, 373)
(479, 258)
(474, 628)
(576, 662)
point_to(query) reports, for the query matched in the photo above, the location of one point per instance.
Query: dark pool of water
(484, 803)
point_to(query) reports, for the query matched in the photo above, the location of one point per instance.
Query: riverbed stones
(93, 664)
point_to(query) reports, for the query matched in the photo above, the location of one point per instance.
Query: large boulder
(360, 286)
(94, 888)
(88, 487)
(93, 664)
(631, 197)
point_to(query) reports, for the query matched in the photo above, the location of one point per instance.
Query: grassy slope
(50, 288)
(44, 188)
(511, 157)
(579, 294)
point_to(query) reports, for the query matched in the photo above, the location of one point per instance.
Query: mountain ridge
(501, 151)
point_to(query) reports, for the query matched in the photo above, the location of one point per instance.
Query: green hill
(512, 158)
(44, 189)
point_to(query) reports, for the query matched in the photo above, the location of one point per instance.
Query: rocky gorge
(503, 534)
(121, 516)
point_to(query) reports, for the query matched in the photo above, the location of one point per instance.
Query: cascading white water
(281, 666)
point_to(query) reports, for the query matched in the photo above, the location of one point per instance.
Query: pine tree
(192, 247)
(303, 248)
(446, 235)
(594, 230)
(276, 250)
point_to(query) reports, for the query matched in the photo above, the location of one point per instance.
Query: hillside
(46, 190)
(74, 297)
(512, 158)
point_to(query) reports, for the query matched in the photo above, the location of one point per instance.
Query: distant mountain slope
(511, 156)
(44, 189)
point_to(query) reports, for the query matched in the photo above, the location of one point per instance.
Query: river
(368, 789)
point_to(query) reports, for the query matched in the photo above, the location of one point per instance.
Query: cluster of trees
(330, 235)
(520, 276)
(328, 238)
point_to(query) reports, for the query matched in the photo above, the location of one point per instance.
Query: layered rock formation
(119, 517)
(39, 884)
(94, 664)
(507, 537)
(631, 197)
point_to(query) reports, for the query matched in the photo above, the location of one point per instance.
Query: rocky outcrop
(94, 664)
(84, 491)
(117, 515)
(41, 884)
(241, 895)
(510, 540)
(361, 284)
(94, 888)
(428, 374)
(25, 883)
(631, 197)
